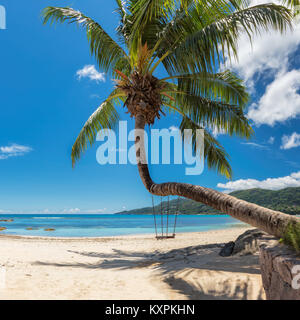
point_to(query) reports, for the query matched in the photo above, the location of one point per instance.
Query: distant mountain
(285, 200)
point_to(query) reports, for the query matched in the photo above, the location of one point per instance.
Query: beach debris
(49, 229)
(2, 228)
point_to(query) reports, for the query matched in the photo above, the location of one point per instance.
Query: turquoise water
(103, 225)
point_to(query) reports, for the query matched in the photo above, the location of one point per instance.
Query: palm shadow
(167, 264)
(193, 292)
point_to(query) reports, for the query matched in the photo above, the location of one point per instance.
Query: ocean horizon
(106, 225)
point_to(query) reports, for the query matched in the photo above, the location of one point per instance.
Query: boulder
(246, 243)
(227, 250)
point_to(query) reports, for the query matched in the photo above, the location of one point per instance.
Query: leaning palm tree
(190, 39)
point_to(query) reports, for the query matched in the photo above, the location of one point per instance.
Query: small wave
(48, 218)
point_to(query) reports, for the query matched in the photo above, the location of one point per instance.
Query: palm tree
(190, 39)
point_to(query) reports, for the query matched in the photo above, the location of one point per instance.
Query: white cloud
(174, 129)
(270, 50)
(89, 71)
(72, 210)
(94, 96)
(217, 132)
(268, 60)
(292, 180)
(289, 142)
(255, 145)
(271, 140)
(95, 211)
(280, 102)
(13, 150)
(77, 210)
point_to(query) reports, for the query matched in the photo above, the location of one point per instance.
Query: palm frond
(121, 10)
(106, 51)
(147, 15)
(105, 117)
(291, 3)
(204, 49)
(210, 113)
(225, 86)
(125, 24)
(214, 153)
(192, 17)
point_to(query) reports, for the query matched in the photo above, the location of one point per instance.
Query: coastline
(95, 226)
(118, 237)
(128, 267)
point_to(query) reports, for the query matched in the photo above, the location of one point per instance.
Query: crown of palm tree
(190, 39)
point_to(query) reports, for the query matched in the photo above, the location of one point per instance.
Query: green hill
(285, 200)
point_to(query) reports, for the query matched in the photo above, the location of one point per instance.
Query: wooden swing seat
(165, 237)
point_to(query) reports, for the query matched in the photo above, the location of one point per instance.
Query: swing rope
(162, 217)
(154, 215)
(165, 232)
(168, 211)
(176, 215)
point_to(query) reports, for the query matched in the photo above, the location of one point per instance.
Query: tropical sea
(103, 225)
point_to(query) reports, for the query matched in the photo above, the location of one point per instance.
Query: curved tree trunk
(270, 221)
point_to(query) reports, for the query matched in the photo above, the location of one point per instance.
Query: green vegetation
(285, 200)
(291, 236)
(188, 40)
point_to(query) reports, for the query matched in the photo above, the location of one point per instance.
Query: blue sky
(45, 102)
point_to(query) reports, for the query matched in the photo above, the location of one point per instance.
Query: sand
(129, 267)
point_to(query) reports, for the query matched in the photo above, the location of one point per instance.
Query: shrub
(291, 236)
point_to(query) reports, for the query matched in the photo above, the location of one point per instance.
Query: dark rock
(227, 250)
(248, 242)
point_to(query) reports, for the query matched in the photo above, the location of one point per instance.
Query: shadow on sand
(184, 270)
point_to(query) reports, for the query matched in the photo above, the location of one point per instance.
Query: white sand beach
(129, 267)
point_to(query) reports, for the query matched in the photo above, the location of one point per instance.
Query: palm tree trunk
(270, 221)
